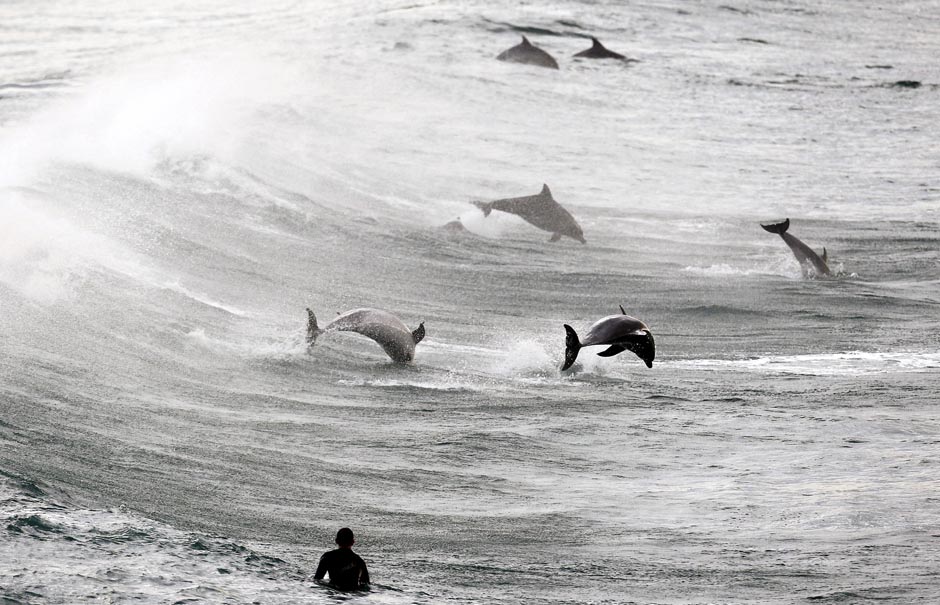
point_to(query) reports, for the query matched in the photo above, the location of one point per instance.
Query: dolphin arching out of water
(526, 52)
(810, 263)
(381, 326)
(621, 332)
(540, 210)
(599, 51)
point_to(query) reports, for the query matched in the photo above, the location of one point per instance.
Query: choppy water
(178, 182)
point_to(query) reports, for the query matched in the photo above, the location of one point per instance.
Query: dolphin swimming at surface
(599, 51)
(810, 263)
(381, 326)
(540, 210)
(526, 52)
(621, 332)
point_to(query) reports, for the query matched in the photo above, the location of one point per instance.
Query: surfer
(347, 569)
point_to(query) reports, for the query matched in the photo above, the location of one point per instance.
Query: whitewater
(179, 181)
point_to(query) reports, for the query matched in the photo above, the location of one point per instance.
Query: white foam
(781, 265)
(849, 363)
(288, 347)
(496, 225)
(175, 286)
(138, 117)
(43, 256)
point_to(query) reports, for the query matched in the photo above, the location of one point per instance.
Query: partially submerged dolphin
(381, 326)
(526, 52)
(540, 210)
(810, 263)
(599, 51)
(621, 332)
(455, 226)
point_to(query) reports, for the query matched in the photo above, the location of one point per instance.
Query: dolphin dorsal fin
(597, 44)
(546, 190)
(825, 255)
(622, 311)
(525, 41)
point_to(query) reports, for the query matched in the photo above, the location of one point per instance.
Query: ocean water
(178, 181)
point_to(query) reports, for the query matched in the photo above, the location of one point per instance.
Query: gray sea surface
(178, 181)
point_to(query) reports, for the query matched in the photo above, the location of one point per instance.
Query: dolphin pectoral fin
(614, 350)
(555, 237)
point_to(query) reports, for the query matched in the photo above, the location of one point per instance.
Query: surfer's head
(344, 538)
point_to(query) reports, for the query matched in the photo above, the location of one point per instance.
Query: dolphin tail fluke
(572, 346)
(778, 228)
(313, 330)
(418, 334)
(486, 207)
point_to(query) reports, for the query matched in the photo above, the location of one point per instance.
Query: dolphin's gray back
(613, 329)
(805, 255)
(381, 326)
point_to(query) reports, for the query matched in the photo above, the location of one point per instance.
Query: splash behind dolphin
(621, 332)
(810, 263)
(526, 52)
(381, 326)
(540, 210)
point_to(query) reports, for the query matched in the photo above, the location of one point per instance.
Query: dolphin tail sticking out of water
(811, 263)
(312, 329)
(778, 228)
(418, 333)
(572, 347)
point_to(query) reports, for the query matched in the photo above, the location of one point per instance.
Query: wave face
(177, 183)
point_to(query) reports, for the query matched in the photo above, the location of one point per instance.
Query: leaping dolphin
(621, 332)
(599, 51)
(381, 326)
(526, 52)
(810, 263)
(540, 210)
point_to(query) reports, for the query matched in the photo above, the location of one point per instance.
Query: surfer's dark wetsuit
(347, 569)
